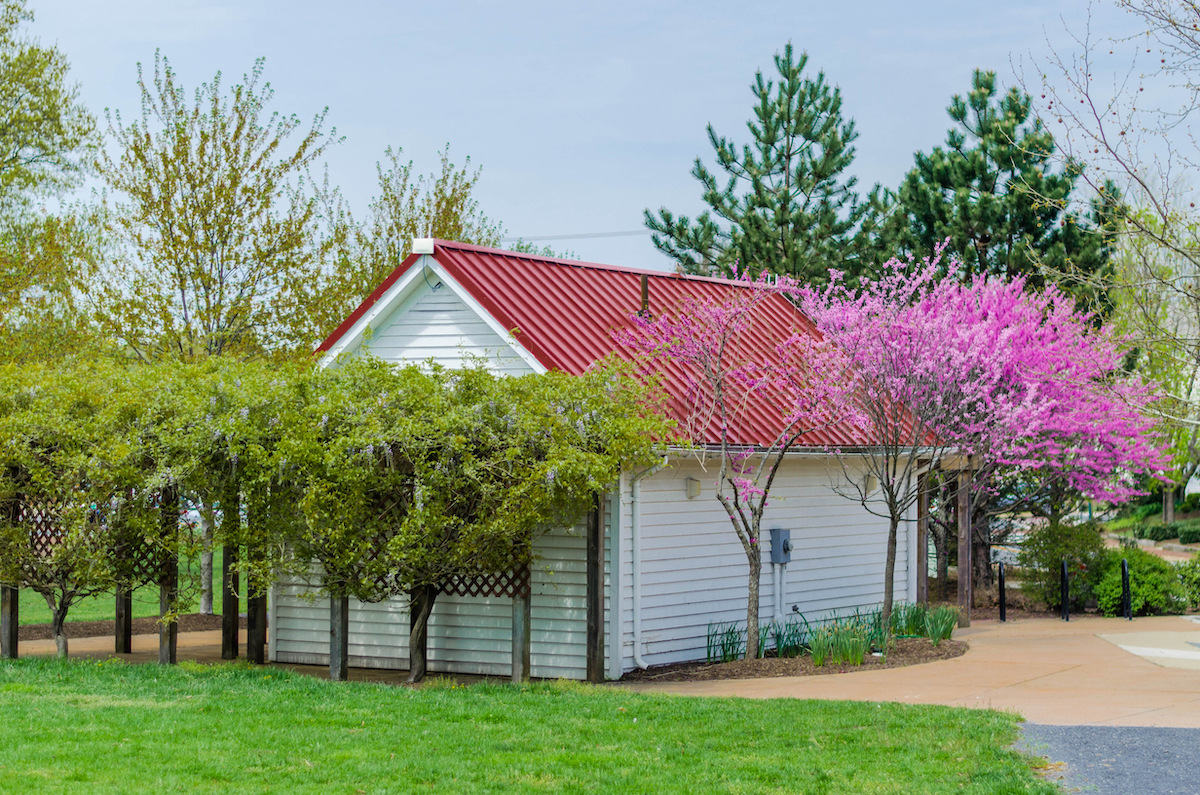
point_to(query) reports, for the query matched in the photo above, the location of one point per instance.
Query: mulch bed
(907, 651)
(191, 622)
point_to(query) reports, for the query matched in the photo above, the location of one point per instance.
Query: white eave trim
(398, 292)
(504, 333)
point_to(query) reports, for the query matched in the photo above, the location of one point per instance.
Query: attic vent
(422, 245)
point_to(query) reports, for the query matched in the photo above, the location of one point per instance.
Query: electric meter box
(781, 546)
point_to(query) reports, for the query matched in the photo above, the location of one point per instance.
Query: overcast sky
(581, 117)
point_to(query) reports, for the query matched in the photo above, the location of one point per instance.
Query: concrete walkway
(1049, 671)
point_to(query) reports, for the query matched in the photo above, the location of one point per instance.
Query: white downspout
(636, 538)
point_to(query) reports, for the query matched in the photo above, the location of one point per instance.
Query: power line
(574, 237)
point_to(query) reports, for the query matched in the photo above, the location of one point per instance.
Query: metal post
(1126, 597)
(1003, 596)
(1065, 594)
(9, 622)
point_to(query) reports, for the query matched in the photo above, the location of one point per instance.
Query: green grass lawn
(112, 727)
(145, 600)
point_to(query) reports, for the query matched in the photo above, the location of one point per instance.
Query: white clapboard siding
(434, 323)
(694, 569)
(469, 635)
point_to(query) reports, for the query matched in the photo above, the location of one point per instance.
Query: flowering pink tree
(1017, 380)
(751, 377)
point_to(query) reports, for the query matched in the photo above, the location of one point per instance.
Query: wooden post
(229, 603)
(965, 596)
(923, 539)
(123, 625)
(339, 638)
(9, 622)
(168, 581)
(595, 593)
(168, 598)
(521, 619)
(256, 629)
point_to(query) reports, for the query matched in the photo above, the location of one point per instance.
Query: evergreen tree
(787, 205)
(994, 194)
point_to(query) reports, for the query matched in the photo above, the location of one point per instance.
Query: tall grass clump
(726, 642)
(939, 625)
(908, 620)
(790, 637)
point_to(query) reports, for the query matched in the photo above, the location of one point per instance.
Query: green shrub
(1154, 585)
(1189, 534)
(1156, 532)
(1043, 553)
(1143, 512)
(1189, 504)
(1189, 579)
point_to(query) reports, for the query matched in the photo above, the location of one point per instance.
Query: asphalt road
(1119, 760)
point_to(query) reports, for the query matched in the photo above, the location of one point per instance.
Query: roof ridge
(586, 264)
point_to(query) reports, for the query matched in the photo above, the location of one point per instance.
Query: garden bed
(907, 651)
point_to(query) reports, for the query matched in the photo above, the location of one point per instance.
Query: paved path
(1049, 671)
(1118, 760)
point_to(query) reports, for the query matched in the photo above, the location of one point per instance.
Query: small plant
(820, 644)
(1189, 578)
(849, 643)
(939, 625)
(789, 638)
(726, 643)
(908, 620)
(765, 633)
(1154, 584)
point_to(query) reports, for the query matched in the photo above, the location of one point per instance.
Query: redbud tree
(750, 376)
(1011, 379)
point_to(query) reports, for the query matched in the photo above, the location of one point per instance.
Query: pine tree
(994, 193)
(787, 205)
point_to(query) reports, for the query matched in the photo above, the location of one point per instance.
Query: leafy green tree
(450, 473)
(47, 138)
(994, 193)
(408, 205)
(784, 201)
(219, 225)
(46, 133)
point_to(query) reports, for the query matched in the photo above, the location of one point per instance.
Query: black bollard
(1066, 594)
(1003, 596)
(1126, 598)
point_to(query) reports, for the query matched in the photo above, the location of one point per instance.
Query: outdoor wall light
(693, 488)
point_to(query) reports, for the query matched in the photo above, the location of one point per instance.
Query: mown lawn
(111, 727)
(145, 600)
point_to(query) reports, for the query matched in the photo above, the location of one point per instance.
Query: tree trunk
(889, 577)
(754, 558)
(1168, 504)
(943, 563)
(206, 560)
(420, 605)
(58, 617)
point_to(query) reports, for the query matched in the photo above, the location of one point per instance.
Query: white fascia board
(383, 307)
(504, 333)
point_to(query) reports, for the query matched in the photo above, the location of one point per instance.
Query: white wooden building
(671, 562)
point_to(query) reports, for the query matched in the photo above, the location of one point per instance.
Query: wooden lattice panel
(509, 583)
(45, 529)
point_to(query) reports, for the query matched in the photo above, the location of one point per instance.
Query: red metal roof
(564, 312)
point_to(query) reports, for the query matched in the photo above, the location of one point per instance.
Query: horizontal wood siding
(694, 569)
(470, 635)
(434, 323)
(558, 632)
